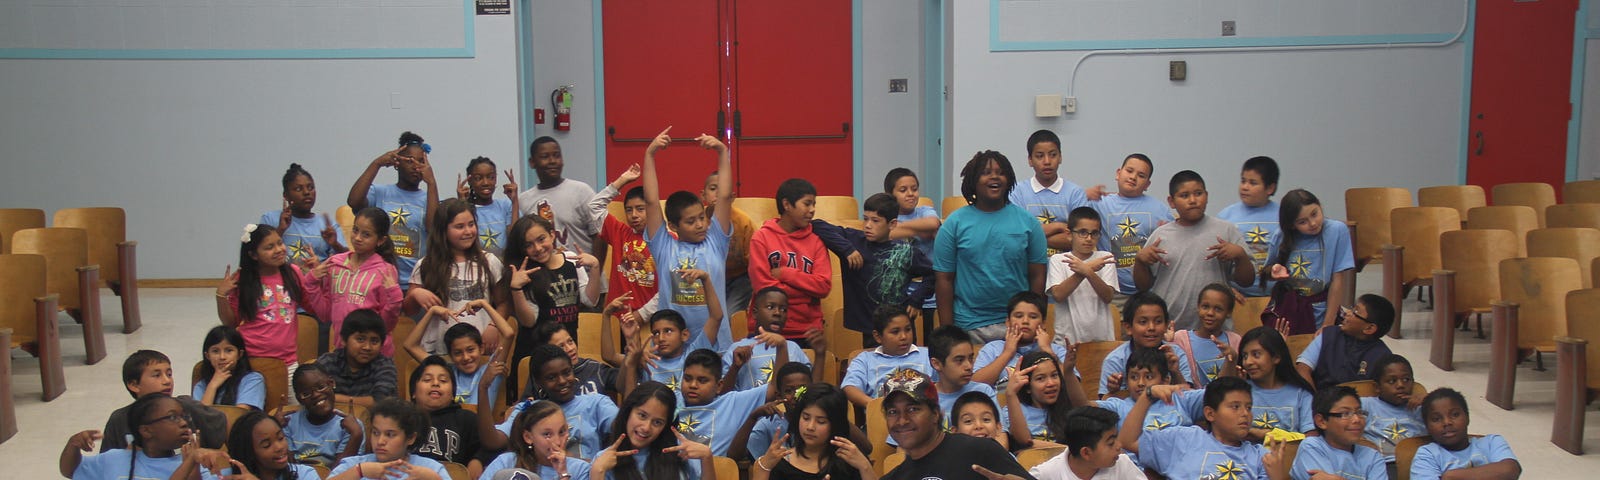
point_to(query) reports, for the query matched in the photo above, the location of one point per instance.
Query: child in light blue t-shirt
(768, 423)
(1194, 452)
(317, 433)
(1144, 320)
(669, 333)
(1129, 216)
(304, 234)
(225, 376)
(1046, 195)
(464, 345)
(1146, 368)
(1039, 394)
(891, 327)
(1396, 413)
(1315, 258)
(950, 354)
(158, 427)
(589, 415)
(704, 415)
(1282, 397)
(751, 362)
(1256, 215)
(1026, 334)
(397, 427)
(695, 242)
(494, 215)
(1340, 420)
(407, 202)
(1445, 411)
(1210, 346)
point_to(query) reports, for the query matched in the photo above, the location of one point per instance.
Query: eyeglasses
(324, 388)
(171, 417)
(1350, 312)
(1343, 415)
(1087, 233)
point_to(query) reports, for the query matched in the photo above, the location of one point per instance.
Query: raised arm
(357, 199)
(608, 347)
(1133, 424)
(724, 180)
(413, 341)
(652, 185)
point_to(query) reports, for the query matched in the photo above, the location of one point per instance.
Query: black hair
(362, 321)
(542, 355)
(1434, 396)
(544, 331)
(1264, 166)
(974, 169)
(242, 445)
(460, 331)
(408, 138)
(412, 421)
(1150, 358)
(669, 315)
(1386, 361)
(633, 193)
(1219, 288)
(1218, 390)
(1057, 411)
(1083, 213)
(139, 409)
(707, 359)
(658, 466)
(516, 252)
(1183, 177)
(1042, 136)
(533, 148)
(1379, 312)
(1084, 426)
(294, 171)
(792, 190)
(834, 405)
(228, 392)
(678, 201)
(535, 413)
(894, 176)
(766, 290)
(1273, 342)
(433, 361)
(885, 314)
(306, 369)
(973, 397)
(791, 368)
(249, 283)
(1288, 214)
(1322, 402)
(479, 161)
(943, 340)
(1141, 299)
(1141, 157)
(882, 204)
(380, 227)
(133, 367)
(1029, 297)
(437, 266)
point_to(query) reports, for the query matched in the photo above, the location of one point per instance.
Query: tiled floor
(176, 319)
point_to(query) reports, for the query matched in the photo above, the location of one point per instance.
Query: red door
(792, 95)
(1521, 77)
(662, 67)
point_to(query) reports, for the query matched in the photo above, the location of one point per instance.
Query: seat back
(276, 375)
(951, 204)
(758, 208)
(1581, 244)
(1475, 256)
(1417, 229)
(1369, 209)
(13, 219)
(403, 363)
(1581, 305)
(1518, 219)
(1405, 452)
(1298, 343)
(739, 324)
(836, 208)
(456, 470)
(590, 327)
(1539, 287)
(924, 202)
(1247, 315)
(1034, 456)
(106, 228)
(840, 339)
(1090, 357)
(1537, 195)
(306, 339)
(64, 250)
(1582, 191)
(22, 279)
(1460, 197)
(725, 467)
(877, 431)
(892, 461)
(1583, 215)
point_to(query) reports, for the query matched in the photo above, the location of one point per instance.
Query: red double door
(1521, 84)
(771, 79)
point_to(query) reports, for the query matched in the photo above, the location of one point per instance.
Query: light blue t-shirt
(577, 468)
(716, 423)
(1049, 205)
(991, 352)
(1208, 356)
(113, 465)
(758, 371)
(408, 229)
(1287, 407)
(1187, 406)
(923, 244)
(303, 238)
(252, 390)
(1192, 452)
(1314, 260)
(301, 472)
(1362, 463)
(312, 443)
(1258, 225)
(413, 459)
(494, 221)
(589, 418)
(467, 385)
(669, 370)
(871, 368)
(766, 429)
(1433, 460)
(1127, 222)
(689, 298)
(1038, 420)
(1117, 361)
(990, 253)
(1388, 424)
(642, 458)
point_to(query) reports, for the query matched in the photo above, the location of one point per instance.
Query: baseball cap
(913, 383)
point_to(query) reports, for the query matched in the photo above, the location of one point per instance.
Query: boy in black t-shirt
(911, 409)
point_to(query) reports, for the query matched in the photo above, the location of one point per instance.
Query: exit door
(1521, 76)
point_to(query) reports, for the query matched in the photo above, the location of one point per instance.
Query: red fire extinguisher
(561, 102)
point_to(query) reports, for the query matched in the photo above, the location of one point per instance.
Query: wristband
(763, 467)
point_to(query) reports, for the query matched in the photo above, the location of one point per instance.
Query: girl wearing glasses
(159, 429)
(318, 433)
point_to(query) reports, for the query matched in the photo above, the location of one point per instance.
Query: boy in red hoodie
(785, 253)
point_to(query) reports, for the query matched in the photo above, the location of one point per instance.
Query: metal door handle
(845, 132)
(611, 131)
(1479, 136)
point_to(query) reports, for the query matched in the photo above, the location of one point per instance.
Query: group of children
(1185, 395)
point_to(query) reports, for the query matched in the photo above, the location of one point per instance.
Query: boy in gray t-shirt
(1182, 257)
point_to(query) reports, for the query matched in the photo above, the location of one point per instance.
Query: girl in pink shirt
(362, 278)
(271, 290)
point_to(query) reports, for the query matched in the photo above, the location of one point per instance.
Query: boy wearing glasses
(1080, 283)
(1350, 350)
(877, 268)
(1341, 421)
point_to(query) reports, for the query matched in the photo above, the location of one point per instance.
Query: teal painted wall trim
(599, 95)
(1580, 42)
(858, 99)
(525, 97)
(1466, 92)
(933, 100)
(468, 50)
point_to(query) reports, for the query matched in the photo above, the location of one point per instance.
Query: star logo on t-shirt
(399, 216)
(1128, 227)
(1157, 424)
(1267, 421)
(1045, 216)
(672, 383)
(764, 374)
(1213, 371)
(688, 424)
(300, 250)
(1395, 431)
(1257, 235)
(1299, 267)
(487, 237)
(687, 263)
(1228, 471)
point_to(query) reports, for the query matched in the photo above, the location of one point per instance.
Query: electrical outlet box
(1229, 28)
(1047, 106)
(1177, 70)
(1071, 105)
(898, 85)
